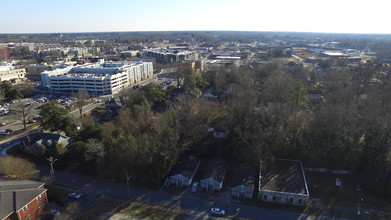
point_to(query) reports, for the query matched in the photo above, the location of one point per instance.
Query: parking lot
(165, 80)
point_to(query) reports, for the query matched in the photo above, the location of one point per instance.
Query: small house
(243, 182)
(32, 143)
(184, 171)
(213, 174)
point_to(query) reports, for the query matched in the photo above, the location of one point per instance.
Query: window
(290, 200)
(274, 198)
(265, 197)
(300, 201)
(25, 208)
(41, 206)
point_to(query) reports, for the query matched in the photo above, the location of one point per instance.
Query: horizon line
(301, 32)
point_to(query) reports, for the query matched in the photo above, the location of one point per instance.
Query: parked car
(194, 188)
(2, 123)
(4, 132)
(217, 211)
(358, 187)
(74, 195)
(54, 212)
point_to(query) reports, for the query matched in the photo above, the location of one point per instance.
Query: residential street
(196, 204)
(192, 202)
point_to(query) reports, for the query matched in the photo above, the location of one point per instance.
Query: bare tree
(95, 151)
(25, 109)
(82, 97)
(72, 211)
(17, 168)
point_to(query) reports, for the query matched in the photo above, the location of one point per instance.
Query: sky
(330, 16)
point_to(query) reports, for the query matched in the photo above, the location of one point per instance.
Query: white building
(99, 78)
(9, 73)
(283, 181)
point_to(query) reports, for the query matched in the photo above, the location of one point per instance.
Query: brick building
(22, 199)
(4, 53)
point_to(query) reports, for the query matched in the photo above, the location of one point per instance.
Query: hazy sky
(48, 16)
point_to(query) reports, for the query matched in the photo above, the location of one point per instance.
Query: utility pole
(127, 181)
(51, 161)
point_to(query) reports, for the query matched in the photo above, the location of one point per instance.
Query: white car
(4, 132)
(194, 188)
(54, 212)
(217, 211)
(74, 195)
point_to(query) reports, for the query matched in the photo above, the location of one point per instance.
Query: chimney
(14, 200)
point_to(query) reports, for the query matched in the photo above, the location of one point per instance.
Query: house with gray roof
(213, 174)
(243, 183)
(185, 170)
(33, 142)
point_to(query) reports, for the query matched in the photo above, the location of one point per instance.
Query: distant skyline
(329, 16)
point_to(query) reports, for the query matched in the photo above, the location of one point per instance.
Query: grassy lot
(143, 210)
(111, 209)
(101, 209)
(55, 193)
(323, 186)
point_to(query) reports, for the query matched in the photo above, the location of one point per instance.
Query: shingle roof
(216, 169)
(244, 175)
(48, 138)
(17, 193)
(186, 166)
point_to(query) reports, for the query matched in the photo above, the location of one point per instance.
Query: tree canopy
(10, 92)
(54, 117)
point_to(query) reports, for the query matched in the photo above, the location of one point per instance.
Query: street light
(51, 161)
(127, 181)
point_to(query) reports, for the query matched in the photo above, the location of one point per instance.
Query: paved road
(195, 203)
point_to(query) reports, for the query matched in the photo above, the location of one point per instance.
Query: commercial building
(9, 73)
(4, 52)
(171, 56)
(98, 78)
(22, 199)
(283, 181)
